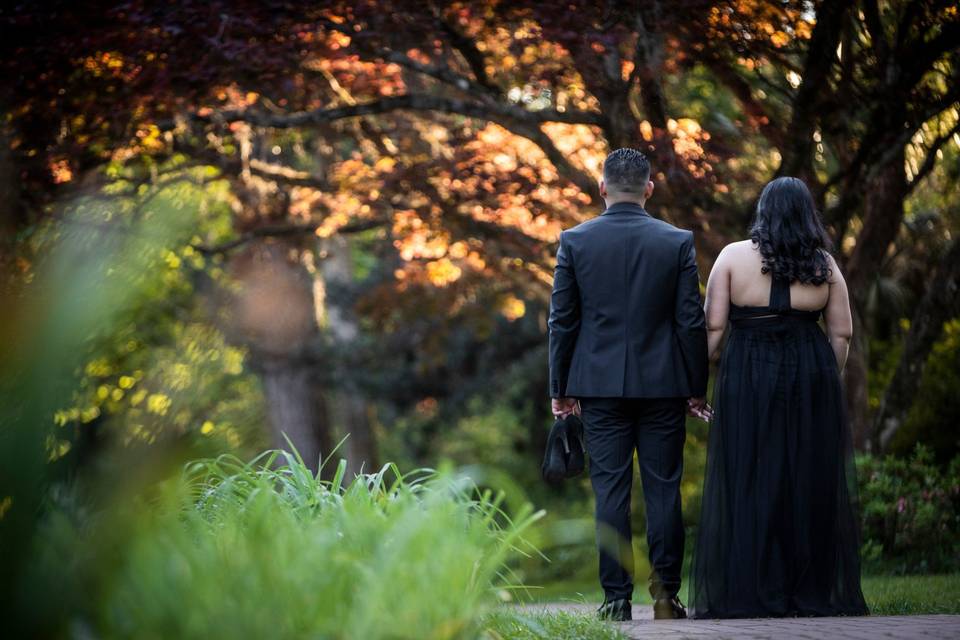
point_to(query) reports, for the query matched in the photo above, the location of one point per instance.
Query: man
(628, 343)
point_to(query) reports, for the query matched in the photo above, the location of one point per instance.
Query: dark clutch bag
(565, 454)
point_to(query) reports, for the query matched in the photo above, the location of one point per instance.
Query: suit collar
(625, 207)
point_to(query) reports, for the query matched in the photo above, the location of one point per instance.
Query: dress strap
(779, 295)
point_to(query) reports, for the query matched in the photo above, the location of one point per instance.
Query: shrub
(935, 414)
(911, 512)
(259, 550)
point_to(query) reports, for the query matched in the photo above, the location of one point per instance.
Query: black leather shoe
(668, 609)
(615, 610)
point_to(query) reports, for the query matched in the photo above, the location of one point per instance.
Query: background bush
(231, 550)
(911, 512)
(934, 418)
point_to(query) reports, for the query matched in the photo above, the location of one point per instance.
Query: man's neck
(610, 202)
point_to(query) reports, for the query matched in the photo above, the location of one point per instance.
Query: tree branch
(941, 302)
(647, 59)
(287, 175)
(565, 168)
(413, 102)
(880, 157)
(872, 156)
(518, 120)
(931, 158)
(284, 230)
(470, 53)
(482, 89)
(874, 24)
(442, 73)
(821, 54)
(765, 123)
(921, 54)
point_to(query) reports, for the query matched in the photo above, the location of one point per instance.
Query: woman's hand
(698, 408)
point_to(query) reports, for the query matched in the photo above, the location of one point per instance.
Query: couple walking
(629, 351)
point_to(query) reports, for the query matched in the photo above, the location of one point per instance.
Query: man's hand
(698, 408)
(562, 407)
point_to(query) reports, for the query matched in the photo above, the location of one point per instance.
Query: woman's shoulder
(736, 251)
(832, 265)
(740, 246)
(828, 257)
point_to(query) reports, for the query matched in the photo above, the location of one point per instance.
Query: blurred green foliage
(220, 550)
(105, 350)
(162, 367)
(934, 418)
(911, 513)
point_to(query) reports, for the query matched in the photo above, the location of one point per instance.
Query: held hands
(698, 408)
(562, 407)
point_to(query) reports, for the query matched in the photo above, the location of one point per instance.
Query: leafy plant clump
(911, 513)
(267, 549)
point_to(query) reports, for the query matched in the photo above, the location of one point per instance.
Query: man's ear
(649, 190)
(603, 188)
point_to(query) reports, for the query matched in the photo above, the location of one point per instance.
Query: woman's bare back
(750, 287)
(737, 279)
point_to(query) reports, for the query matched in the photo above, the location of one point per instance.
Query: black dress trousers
(655, 428)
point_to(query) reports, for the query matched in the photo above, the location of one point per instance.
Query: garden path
(643, 626)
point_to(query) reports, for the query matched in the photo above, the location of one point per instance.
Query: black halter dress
(778, 532)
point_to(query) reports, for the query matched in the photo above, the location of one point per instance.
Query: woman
(778, 531)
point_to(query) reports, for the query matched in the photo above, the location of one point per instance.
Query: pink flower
(901, 505)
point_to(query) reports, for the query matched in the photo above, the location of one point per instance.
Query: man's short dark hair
(626, 171)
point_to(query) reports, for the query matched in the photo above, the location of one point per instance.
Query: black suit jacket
(625, 314)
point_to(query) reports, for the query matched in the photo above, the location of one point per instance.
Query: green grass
(562, 624)
(574, 592)
(265, 549)
(905, 595)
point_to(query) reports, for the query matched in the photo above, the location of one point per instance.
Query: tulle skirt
(779, 530)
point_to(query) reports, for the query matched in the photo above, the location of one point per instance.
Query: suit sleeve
(564, 321)
(689, 322)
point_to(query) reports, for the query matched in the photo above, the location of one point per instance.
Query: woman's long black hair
(789, 233)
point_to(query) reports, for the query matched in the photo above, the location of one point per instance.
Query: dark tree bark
(296, 408)
(12, 216)
(349, 409)
(883, 214)
(855, 382)
(818, 67)
(940, 303)
(648, 65)
(273, 315)
(619, 125)
(351, 415)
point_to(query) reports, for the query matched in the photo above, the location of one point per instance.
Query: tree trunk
(818, 67)
(350, 413)
(349, 408)
(883, 214)
(855, 383)
(274, 315)
(12, 217)
(940, 303)
(295, 406)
